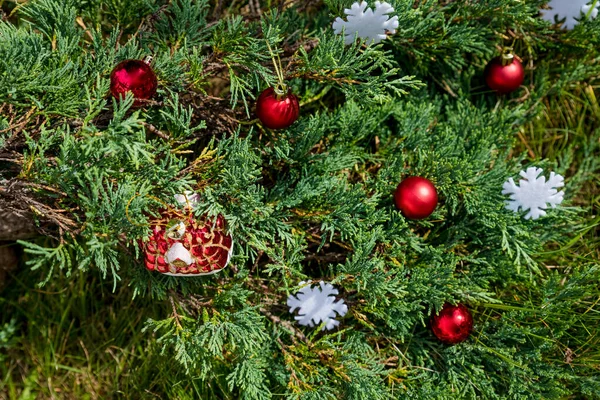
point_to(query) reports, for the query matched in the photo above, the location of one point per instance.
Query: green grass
(76, 339)
(567, 132)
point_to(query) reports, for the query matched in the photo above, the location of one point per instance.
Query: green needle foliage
(83, 318)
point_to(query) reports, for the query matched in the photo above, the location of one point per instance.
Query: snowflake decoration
(533, 193)
(370, 25)
(317, 305)
(570, 10)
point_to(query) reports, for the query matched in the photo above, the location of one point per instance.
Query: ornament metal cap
(507, 56)
(280, 90)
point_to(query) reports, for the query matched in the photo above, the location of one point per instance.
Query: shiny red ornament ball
(133, 76)
(504, 75)
(183, 245)
(277, 110)
(453, 324)
(416, 197)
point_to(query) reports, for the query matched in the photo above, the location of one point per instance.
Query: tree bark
(12, 227)
(8, 261)
(16, 226)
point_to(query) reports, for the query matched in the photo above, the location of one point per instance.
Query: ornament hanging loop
(148, 60)
(281, 88)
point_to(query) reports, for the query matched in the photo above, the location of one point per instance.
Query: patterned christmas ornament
(533, 193)
(371, 26)
(317, 305)
(572, 11)
(416, 197)
(453, 324)
(134, 76)
(183, 245)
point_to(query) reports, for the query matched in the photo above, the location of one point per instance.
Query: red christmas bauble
(133, 76)
(416, 197)
(183, 245)
(277, 111)
(453, 324)
(504, 78)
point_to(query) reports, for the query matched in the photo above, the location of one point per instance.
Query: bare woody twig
(286, 324)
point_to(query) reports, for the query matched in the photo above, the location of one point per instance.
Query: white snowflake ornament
(370, 25)
(534, 193)
(317, 305)
(570, 10)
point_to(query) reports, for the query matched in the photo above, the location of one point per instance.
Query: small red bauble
(453, 324)
(182, 245)
(504, 74)
(277, 110)
(133, 76)
(416, 197)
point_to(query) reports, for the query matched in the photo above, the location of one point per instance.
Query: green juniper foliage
(311, 202)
